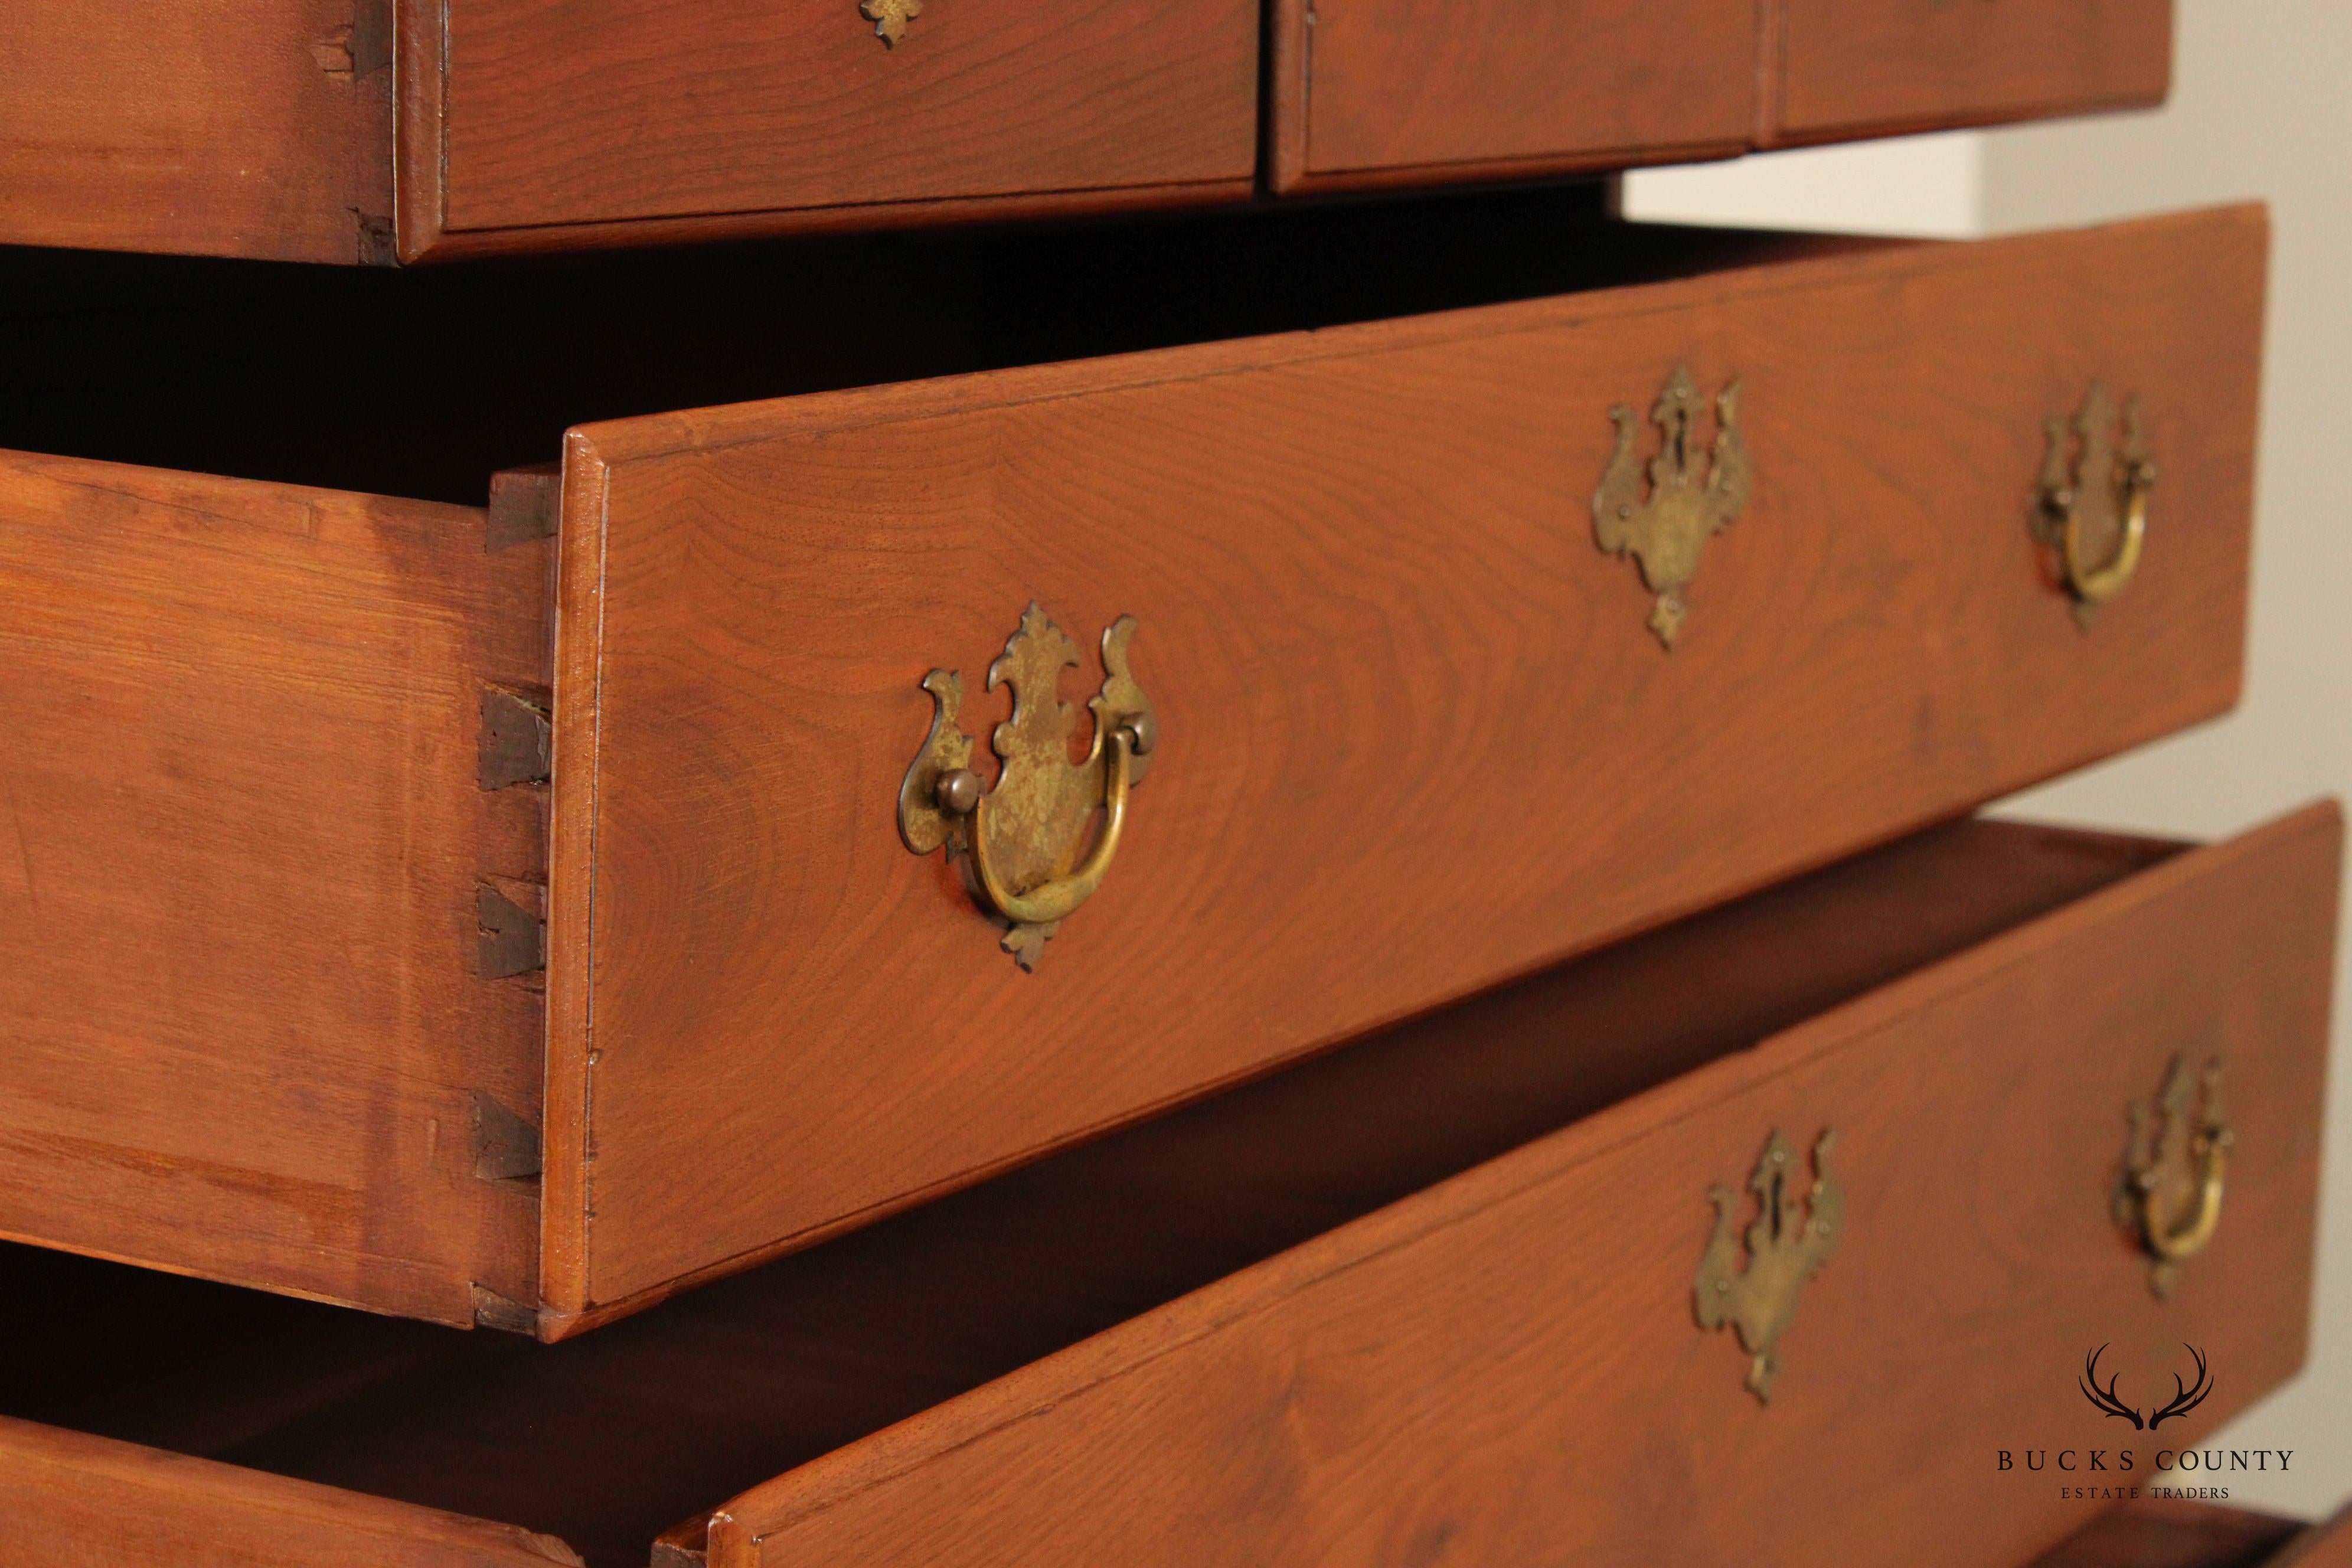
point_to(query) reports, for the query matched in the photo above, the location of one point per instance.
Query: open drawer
(1351, 1314)
(1460, 643)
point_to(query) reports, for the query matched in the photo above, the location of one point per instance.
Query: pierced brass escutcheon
(1786, 1246)
(2169, 1194)
(1666, 530)
(2093, 510)
(890, 18)
(1021, 840)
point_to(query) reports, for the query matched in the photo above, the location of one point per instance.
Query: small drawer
(1349, 1312)
(371, 130)
(1461, 642)
(1376, 93)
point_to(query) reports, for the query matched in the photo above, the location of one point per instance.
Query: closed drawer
(1415, 733)
(1399, 91)
(534, 124)
(370, 131)
(1349, 1312)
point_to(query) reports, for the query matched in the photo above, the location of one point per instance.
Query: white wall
(2261, 107)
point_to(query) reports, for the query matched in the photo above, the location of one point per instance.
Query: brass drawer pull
(1022, 837)
(2174, 1168)
(2099, 504)
(1787, 1245)
(1689, 499)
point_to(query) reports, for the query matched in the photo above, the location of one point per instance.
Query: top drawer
(1401, 91)
(576, 116)
(1402, 596)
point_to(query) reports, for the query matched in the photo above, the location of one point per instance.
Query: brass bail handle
(2093, 483)
(1058, 899)
(2096, 584)
(1020, 835)
(2175, 1165)
(2210, 1149)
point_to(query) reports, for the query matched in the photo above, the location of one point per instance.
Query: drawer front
(529, 124)
(1367, 90)
(1855, 67)
(69, 1499)
(1415, 731)
(1404, 91)
(1507, 1367)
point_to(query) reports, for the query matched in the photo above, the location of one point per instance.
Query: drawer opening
(422, 383)
(608, 1440)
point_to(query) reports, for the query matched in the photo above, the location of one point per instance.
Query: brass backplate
(2169, 1195)
(1786, 1244)
(890, 18)
(1689, 499)
(1025, 841)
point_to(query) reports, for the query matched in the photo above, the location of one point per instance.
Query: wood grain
(1505, 1368)
(1363, 567)
(1386, 92)
(546, 123)
(609, 1439)
(238, 878)
(1397, 90)
(258, 128)
(73, 1498)
(1857, 68)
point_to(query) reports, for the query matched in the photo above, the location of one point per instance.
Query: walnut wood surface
(1416, 735)
(1370, 93)
(537, 124)
(1505, 1365)
(605, 1440)
(253, 128)
(71, 1499)
(236, 893)
(1852, 67)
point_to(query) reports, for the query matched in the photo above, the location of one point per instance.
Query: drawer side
(69, 1498)
(252, 128)
(240, 894)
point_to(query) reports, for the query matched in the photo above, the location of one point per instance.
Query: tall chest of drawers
(1288, 881)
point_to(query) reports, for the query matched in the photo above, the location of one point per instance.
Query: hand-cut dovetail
(513, 937)
(505, 1147)
(525, 504)
(492, 1310)
(518, 738)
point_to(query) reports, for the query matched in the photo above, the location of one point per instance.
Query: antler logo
(2185, 1398)
(1689, 499)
